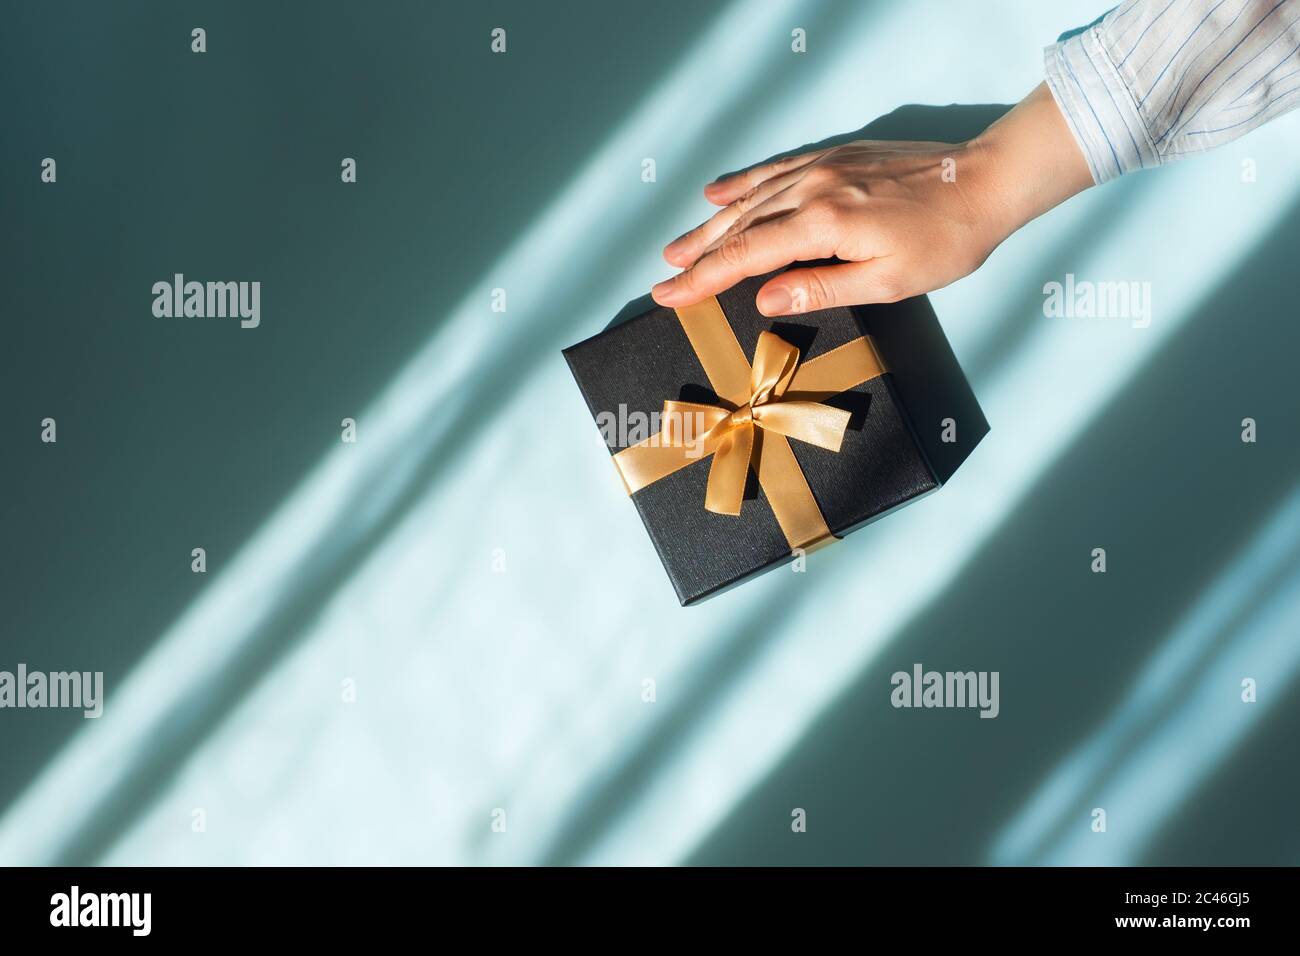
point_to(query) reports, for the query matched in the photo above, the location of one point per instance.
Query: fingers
(821, 287)
(754, 251)
(728, 189)
(786, 202)
(684, 250)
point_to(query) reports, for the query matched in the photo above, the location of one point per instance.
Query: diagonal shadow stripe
(1247, 795)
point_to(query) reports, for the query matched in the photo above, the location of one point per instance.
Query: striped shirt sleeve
(1155, 80)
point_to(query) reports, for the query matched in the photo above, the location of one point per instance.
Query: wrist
(1027, 163)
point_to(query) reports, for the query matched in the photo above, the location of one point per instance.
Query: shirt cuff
(1098, 107)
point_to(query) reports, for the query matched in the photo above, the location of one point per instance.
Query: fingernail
(775, 301)
(661, 289)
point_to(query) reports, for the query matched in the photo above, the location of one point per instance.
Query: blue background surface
(471, 565)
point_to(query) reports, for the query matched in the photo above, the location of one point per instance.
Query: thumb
(821, 287)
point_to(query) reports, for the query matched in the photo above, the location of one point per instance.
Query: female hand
(905, 218)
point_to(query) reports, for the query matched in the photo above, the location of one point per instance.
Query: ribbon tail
(729, 471)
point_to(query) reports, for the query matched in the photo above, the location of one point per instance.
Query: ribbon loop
(726, 489)
(774, 364)
(813, 422)
(687, 424)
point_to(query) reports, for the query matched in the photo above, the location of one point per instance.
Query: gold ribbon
(775, 399)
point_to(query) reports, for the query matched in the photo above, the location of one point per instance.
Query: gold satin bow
(730, 433)
(758, 419)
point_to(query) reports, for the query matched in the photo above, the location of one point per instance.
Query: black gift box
(893, 452)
